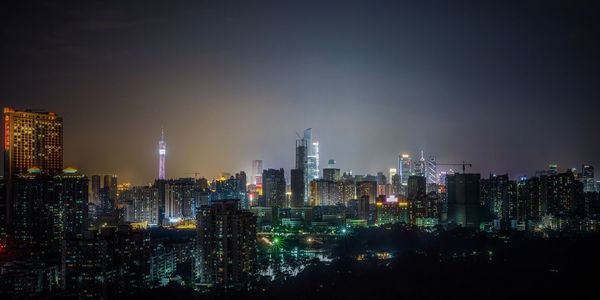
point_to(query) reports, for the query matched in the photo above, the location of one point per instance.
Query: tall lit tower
(404, 168)
(162, 151)
(312, 155)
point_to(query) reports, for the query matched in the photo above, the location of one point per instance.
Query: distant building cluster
(64, 232)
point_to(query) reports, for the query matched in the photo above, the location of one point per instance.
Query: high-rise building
(417, 198)
(37, 217)
(297, 187)
(404, 168)
(587, 177)
(226, 245)
(48, 208)
(105, 263)
(499, 196)
(257, 169)
(396, 185)
(364, 207)
(71, 191)
(431, 173)
(181, 196)
(95, 192)
(302, 164)
(562, 194)
(31, 139)
(420, 167)
(463, 199)
(274, 187)
(162, 153)
(312, 155)
(331, 174)
(108, 193)
(141, 204)
(393, 172)
(325, 192)
(366, 188)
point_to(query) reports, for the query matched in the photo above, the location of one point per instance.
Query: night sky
(509, 86)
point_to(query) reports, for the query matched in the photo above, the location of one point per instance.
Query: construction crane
(464, 165)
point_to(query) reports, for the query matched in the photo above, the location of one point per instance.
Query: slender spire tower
(162, 151)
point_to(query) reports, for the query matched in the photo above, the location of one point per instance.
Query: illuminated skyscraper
(404, 168)
(95, 193)
(587, 177)
(31, 139)
(302, 165)
(312, 155)
(274, 187)
(393, 171)
(162, 152)
(431, 170)
(257, 169)
(419, 168)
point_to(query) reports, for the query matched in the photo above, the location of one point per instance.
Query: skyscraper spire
(162, 151)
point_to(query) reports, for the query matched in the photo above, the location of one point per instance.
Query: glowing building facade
(162, 152)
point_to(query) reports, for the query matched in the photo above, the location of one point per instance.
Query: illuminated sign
(6, 133)
(391, 199)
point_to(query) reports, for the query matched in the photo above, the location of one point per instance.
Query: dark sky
(509, 86)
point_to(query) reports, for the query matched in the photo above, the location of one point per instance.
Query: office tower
(417, 198)
(363, 208)
(105, 263)
(302, 164)
(587, 177)
(95, 193)
(31, 139)
(312, 155)
(108, 193)
(393, 172)
(366, 188)
(325, 192)
(396, 185)
(242, 189)
(431, 173)
(226, 245)
(331, 174)
(463, 199)
(297, 187)
(420, 167)
(71, 191)
(257, 169)
(274, 187)
(404, 168)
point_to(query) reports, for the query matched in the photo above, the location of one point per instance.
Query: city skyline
(218, 76)
(286, 149)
